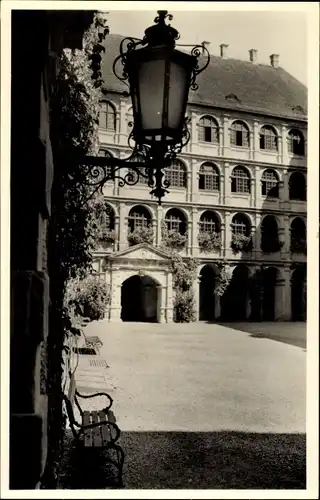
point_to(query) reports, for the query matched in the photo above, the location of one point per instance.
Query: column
(159, 219)
(169, 304)
(256, 139)
(223, 236)
(285, 236)
(227, 233)
(227, 183)
(194, 232)
(217, 306)
(195, 180)
(222, 189)
(121, 127)
(117, 232)
(115, 306)
(251, 145)
(189, 185)
(283, 297)
(226, 141)
(162, 289)
(196, 289)
(284, 152)
(123, 242)
(257, 236)
(194, 135)
(280, 149)
(252, 192)
(257, 187)
(286, 197)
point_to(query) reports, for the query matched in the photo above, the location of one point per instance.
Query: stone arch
(235, 300)
(297, 186)
(141, 298)
(298, 294)
(270, 234)
(208, 280)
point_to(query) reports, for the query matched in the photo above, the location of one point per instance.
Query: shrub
(224, 278)
(241, 242)
(172, 238)
(141, 235)
(184, 307)
(209, 241)
(88, 297)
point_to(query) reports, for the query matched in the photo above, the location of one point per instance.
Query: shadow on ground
(291, 334)
(194, 460)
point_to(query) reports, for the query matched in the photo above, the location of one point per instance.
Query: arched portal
(235, 299)
(269, 282)
(298, 294)
(208, 279)
(140, 299)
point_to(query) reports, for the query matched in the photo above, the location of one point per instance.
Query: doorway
(206, 292)
(140, 299)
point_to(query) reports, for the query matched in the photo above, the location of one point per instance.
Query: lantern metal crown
(159, 78)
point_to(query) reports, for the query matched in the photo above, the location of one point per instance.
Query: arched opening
(269, 235)
(268, 138)
(235, 299)
(296, 144)
(140, 299)
(208, 278)
(209, 178)
(240, 181)
(269, 281)
(176, 174)
(297, 187)
(298, 236)
(239, 134)
(298, 294)
(208, 130)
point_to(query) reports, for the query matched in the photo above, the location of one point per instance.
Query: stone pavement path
(199, 406)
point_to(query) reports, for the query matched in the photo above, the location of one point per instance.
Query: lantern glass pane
(151, 82)
(179, 82)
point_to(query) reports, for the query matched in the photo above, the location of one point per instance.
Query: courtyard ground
(199, 405)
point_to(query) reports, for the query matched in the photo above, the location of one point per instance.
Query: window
(239, 134)
(142, 179)
(268, 139)
(240, 180)
(240, 225)
(107, 116)
(176, 174)
(109, 218)
(175, 221)
(209, 222)
(138, 217)
(208, 130)
(296, 143)
(270, 184)
(209, 179)
(297, 187)
(109, 168)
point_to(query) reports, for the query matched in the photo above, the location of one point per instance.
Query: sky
(270, 32)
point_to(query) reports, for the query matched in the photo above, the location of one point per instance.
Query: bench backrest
(69, 400)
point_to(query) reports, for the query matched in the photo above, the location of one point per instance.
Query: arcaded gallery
(237, 195)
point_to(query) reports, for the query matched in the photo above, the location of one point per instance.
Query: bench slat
(111, 417)
(88, 440)
(97, 438)
(105, 432)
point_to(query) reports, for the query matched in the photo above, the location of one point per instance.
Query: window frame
(208, 133)
(239, 135)
(210, 177)
(268, 135)
(243, 181)
(176, 172)
(108, 116)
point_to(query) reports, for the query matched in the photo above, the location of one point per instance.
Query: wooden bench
(98, 429)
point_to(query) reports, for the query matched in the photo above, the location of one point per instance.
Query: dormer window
(232, 97)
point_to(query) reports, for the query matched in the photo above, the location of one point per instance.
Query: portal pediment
(142, 251)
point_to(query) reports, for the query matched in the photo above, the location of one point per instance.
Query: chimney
(274, 59)
(223, 50)
(253, 54)
(205, 45)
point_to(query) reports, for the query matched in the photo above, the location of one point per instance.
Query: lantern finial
(161, 33)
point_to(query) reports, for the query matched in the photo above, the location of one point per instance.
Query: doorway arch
(140, 299)
(298, 294)
(208, 278)
(270, 277)
(235, 299)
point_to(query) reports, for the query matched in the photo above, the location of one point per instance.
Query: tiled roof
(232, 84)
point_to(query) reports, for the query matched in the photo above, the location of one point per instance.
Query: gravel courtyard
(202, 405)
